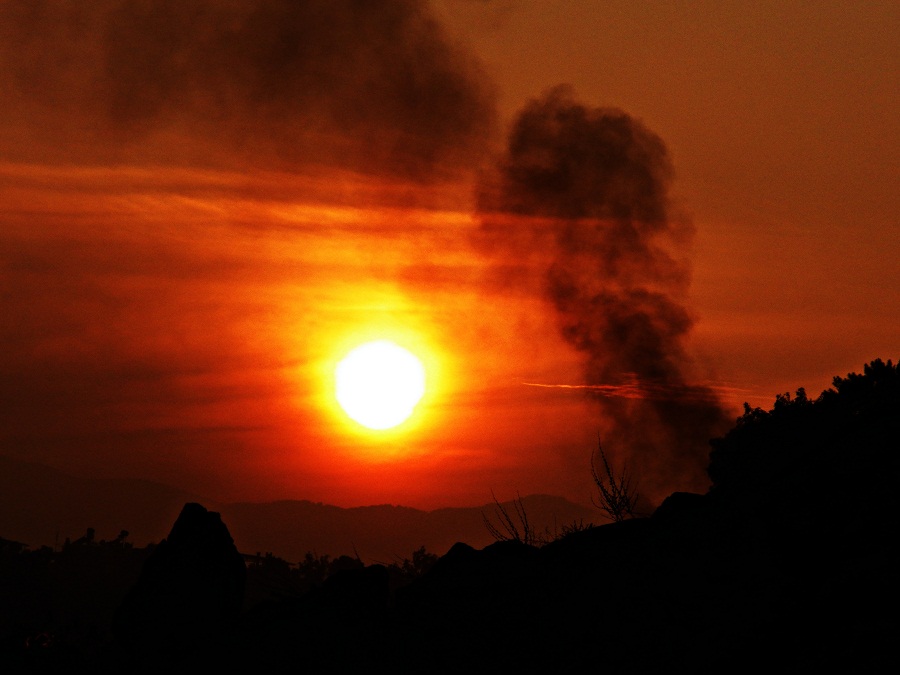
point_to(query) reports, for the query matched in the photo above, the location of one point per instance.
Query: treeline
(62, 601)
(58, 605)
(272, 578)
(818, 468)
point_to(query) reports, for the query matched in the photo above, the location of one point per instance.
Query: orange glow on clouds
(187, 249)
(198, 330)
(197, 323)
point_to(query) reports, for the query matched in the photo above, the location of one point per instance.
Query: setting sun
(379, 384)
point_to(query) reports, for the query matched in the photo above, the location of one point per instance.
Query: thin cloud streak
(701, 391)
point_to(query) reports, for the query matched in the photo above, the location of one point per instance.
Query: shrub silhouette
(617, 493)
(414, 567)
(803, 458)
(511, 528)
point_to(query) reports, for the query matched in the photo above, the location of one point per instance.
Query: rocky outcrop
(190, 590)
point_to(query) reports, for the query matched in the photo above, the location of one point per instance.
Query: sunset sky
(205, 205)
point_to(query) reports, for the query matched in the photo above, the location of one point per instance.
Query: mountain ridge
(42, 506)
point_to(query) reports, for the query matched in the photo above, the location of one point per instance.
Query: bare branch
(511, 528)
(617, 495)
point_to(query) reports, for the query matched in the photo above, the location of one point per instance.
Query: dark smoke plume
(371, 85)
(584, 192)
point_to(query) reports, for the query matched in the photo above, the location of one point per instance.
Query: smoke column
(584, 192)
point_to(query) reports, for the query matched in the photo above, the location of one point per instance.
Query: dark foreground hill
(788, 564)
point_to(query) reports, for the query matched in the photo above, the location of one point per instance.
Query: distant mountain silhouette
(39, 505)
(380, 533)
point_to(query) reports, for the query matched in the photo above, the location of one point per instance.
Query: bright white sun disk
(378, 384)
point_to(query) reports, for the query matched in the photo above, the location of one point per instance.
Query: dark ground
(787, 564)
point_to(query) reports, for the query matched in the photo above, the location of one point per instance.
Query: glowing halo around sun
(379, 384)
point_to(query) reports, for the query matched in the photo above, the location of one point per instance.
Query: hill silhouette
(786, 564)
(41, 506)
(383, 532)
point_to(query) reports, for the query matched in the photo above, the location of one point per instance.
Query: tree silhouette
(838, 450)
(419, 564)
(617, 494)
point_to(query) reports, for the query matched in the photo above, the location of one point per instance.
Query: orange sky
(198, 216)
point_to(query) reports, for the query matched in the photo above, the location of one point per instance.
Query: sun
(379, 384)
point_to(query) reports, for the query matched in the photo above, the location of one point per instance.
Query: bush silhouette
(834, 458)
(510, 528)
(617, 492)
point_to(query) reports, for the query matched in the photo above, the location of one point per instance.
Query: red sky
(203, 206)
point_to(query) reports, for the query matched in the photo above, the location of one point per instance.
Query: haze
(204, 205)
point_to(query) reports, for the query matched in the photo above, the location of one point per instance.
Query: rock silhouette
(190, 589)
